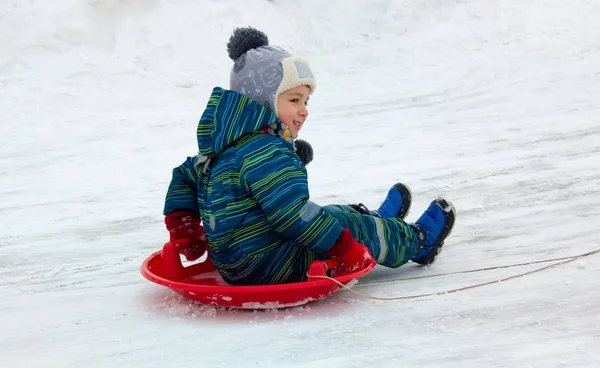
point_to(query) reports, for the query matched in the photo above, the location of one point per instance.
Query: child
(250, 189)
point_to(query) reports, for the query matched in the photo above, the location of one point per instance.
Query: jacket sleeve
(274, 176)
(182, 194)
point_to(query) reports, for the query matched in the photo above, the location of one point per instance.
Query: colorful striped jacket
(251, 191)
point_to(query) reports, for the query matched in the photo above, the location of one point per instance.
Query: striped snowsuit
(251, 191)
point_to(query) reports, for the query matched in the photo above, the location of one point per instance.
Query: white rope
(563, 261)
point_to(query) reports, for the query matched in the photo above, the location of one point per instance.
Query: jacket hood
(229, 115)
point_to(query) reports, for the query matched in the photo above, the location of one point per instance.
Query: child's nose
(304, 112)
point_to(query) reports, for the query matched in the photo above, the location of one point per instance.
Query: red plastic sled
(201, 282)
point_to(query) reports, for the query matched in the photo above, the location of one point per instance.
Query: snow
(492, 103)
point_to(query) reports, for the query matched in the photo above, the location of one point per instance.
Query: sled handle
(319, 268)
(173, 268)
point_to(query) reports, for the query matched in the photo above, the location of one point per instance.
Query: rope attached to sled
(483, 269)
(562, 261)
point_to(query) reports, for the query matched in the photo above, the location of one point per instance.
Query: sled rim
(262, 289)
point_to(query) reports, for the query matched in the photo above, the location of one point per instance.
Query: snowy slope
(493, 103)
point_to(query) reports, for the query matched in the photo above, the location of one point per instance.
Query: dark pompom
(244, 39)
(304, 151)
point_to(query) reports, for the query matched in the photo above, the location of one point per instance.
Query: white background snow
(492, 103)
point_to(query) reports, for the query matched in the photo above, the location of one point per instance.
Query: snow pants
(391, 241)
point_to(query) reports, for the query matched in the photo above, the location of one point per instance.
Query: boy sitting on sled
(249, 186)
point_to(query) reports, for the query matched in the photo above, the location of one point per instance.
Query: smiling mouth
(297, 123)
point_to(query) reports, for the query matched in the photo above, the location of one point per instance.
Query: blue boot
(433, 227)
(396, 204)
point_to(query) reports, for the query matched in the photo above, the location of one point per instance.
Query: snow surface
(493, 103)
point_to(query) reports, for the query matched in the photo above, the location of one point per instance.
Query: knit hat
(261, 71)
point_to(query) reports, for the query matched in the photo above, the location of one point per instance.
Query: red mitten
(349, 253)
(186, 225)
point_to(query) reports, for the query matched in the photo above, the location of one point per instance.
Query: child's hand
(186, 225)
(351, 254)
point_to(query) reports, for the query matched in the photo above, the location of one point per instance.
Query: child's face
(291, 108)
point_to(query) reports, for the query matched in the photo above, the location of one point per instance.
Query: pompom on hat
(261, 71)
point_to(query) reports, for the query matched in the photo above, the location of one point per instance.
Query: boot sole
(405, 192)
(448, 227)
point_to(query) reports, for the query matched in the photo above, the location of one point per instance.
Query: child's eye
(295, 100)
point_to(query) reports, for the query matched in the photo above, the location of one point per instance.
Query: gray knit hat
(262, 71)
